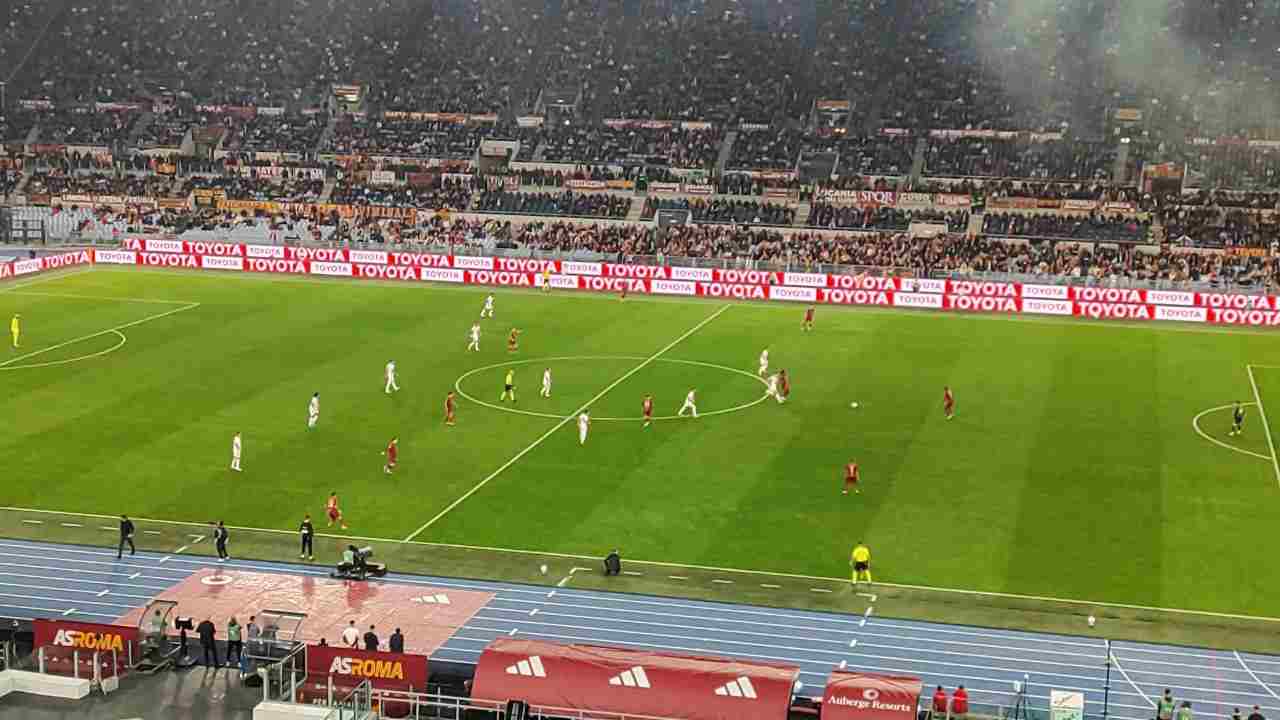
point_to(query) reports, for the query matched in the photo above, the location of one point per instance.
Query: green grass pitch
(1071, 469)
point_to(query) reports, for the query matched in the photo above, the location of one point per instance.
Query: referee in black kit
(126, 537)
(307, 532)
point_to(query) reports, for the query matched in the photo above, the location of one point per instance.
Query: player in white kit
(313, 411)
(475, 338)
(235, 452)
(584, 424)
(546, 383)
(690, 403)
(391, 377)
(764, 363)
(487, 310)
(773, 388)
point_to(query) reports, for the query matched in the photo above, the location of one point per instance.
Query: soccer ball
(853, 405)
(543, 569)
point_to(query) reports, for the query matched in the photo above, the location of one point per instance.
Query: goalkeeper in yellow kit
(15, 329)
(860, 561)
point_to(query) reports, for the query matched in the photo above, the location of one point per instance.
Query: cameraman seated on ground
(613, 563)
(355, 565)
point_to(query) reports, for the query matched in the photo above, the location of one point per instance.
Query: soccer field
(1072, 468)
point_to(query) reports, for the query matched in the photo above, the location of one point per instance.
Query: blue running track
(89, 584)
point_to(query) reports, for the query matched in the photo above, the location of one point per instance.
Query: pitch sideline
(662, 564)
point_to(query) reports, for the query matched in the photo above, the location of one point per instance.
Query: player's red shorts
(334, 513)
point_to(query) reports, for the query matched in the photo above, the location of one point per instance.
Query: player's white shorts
(687, 407)
(582, 436)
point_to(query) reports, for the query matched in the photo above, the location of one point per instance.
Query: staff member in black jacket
(126, 536)
(220, 540)
(307, 532)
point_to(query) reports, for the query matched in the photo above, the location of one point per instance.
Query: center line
(567, 419)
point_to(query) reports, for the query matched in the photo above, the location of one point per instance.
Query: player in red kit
(513, 340)
(851, 478)
(807, 325)
(331, 509)
(647, 409)
(784, 386)
(948, 403)
(392, 452)
(448, 409)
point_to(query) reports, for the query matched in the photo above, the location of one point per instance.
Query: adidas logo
(438, 599)
(740, 688)
(531, 667)
(634, 677)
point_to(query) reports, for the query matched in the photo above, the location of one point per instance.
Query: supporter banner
(1123, 207)
(1084, 205)
(529, 121)
(914, 200)
(697, 125)
(895, 132)
(487, 118)
(1048, 203)
(832, 104)
(174, 203)
(112, 201)
(207, 196)
(872, 198)
(381, 669)
(382, 177)
(1128, 114)
(87, 637)
(36, 104)
(787, 194)
(692, 189)
(786, 175)
(248, 205)
(620, 184)
(585, 184)
(664, 187)
(952, 200)
(988, 134)
(271, 111)
(116, 107)
(753, 127)
(1012, 203)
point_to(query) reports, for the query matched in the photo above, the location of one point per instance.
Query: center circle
(457, 386)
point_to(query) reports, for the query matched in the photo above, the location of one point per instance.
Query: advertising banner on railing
(866, 198)
(350, 667)
(89, 637)
(823, 288)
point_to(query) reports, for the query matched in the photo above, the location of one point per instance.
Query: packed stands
(732, 211)
(565, 203)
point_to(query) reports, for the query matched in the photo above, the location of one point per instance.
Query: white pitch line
(33, 522)
(184, 547)
(722, 582)
(567, 419)
(1254, 675)
(100, 333)
(770, 586)
(48, 278)
(563, 581)
(633, 573)
(67, 524)
(689, 566)
(677, 577)
(1195, 425)
(102, 297)
(819, 590)
(107, 528)
(1266, 427)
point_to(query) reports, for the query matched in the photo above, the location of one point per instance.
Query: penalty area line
(100, 333)
(1266, 427)
(1195, 425)
(565, 421)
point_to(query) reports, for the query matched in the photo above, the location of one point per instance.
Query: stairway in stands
(637, 208)
(802, 214)
(327, 193)
(726, 151)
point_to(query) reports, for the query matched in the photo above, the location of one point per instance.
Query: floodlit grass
(1071, 469)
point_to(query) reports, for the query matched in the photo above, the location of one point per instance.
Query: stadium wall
(725, 284)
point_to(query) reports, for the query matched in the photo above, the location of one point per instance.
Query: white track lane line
(1254, 675)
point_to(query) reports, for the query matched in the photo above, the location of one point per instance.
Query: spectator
(960, 702)
(126, 537)
(234, 644)
(206, 631)
(396, 642)
(350, 635)
(371, 640)
(1256, 714)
